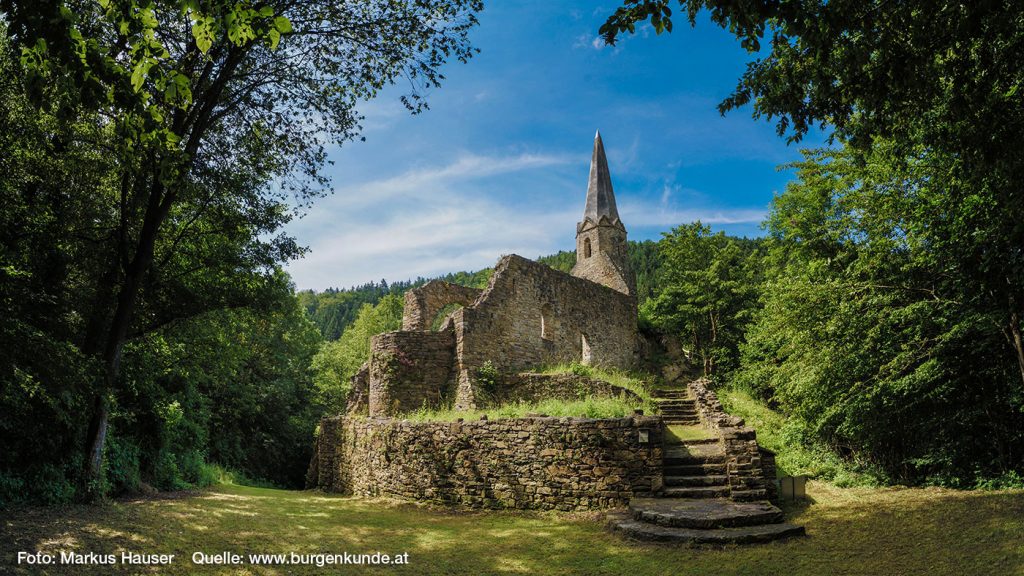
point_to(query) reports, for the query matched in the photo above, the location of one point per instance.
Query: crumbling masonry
(529, 315)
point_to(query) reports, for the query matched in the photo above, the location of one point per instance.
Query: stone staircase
(676, 407)
(693, 505)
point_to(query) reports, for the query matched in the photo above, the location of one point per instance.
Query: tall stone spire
(602, 254)
(600, 197)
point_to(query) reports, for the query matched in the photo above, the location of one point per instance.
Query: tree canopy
(188, 133)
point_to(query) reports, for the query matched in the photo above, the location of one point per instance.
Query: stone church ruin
(472, 349)
(529, 315)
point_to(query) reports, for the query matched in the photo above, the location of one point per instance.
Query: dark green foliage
(894, 286)
(867, 338)
(708, 293)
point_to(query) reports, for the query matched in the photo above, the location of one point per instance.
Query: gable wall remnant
(533, 315)
(422, 304)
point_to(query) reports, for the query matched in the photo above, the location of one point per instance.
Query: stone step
(691, 460)
(702, 480)
(749, 495)
(703, 514)
(696, 453)
(695, 492)
(687, 401)
(695, 470)
(702, 442)
(679, 414)
(682, 421)
(623, 523)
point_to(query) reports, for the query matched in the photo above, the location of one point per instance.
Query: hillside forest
(152, 340)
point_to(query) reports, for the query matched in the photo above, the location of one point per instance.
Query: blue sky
(499, 163)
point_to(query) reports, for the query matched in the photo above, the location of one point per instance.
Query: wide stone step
(703, 514)
(695, 451)
(682, 421)
(623, 523)
(702, 480)
(692, 460)
(695, 470)
(695, 492)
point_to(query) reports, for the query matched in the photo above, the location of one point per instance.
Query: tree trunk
(1018, 344)
(156, 210)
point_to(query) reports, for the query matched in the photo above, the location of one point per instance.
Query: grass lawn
(683, 433)
(850, 531)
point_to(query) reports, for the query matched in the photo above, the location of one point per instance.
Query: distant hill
(335, 309)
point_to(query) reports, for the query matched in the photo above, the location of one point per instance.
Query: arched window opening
(546, 320)
(586, 247)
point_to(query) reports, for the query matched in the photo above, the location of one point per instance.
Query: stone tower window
(586, 247)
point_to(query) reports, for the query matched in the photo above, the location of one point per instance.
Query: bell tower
(601, 251)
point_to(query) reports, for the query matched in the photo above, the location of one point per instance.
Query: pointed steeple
(600, 197)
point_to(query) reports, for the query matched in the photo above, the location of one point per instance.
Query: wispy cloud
(430, 221)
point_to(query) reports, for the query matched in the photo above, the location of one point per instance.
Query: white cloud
(430, 221)
(647, 214)
(463, 215)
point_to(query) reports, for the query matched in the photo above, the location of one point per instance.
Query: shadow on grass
(856, 531)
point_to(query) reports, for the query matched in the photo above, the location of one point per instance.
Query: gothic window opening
(586, 247)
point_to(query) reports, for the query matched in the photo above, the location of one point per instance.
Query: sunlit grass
(793, 456)
(639, 384)
(683, 433)
(876, 531)
(588, 407)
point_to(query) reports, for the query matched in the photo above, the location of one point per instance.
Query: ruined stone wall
(751, 469)
(532, 315)
(530, 387)
(423, 304)
(522, 463)
(408, 370)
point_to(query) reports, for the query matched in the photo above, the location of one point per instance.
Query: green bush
(121, 465)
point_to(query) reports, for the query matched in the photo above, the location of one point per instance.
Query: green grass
(589, 407)
(639, 384)
(683, 433)
(586, 407)
(861, 531)
(794, 455)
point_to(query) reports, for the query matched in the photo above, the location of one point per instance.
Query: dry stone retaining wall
(520, 463)
(751, 469)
